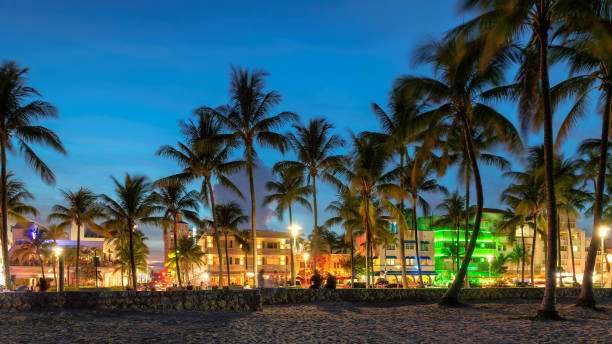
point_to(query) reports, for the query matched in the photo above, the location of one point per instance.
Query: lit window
(210, 259)
(259, 245)
(241, 260)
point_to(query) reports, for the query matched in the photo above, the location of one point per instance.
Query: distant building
(182, 229)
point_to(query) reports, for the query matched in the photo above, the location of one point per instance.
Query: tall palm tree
(133, 204)
(398, 134)
(452, 208)
(459, 93)
(18, 130)
(229, 217)
(18, 197)
(174, 202)
(517, 256)
(499, 22)
(249, 120)
(366, 174)
(314, 145)
(205, 155)
(81, 208)
(123, 255)
(242, 239)
(513, 219)
(289, 189)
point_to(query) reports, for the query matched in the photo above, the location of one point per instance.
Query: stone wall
(287, 296)
(252, 300)
(205, 300)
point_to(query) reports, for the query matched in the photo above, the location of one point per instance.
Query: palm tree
(189, 254)
(459, 93)
(133, 204)
(513, 219)
(18, 196)
(54, 233)
(175, 203)
(366, 176)
(346, 214)
(314, 145)
(248, 119)
(498, 265)
(517, 256)
(81, 208)
(229, 217)
(499, 22)
(242, 239)
(205, 155)
(124, 254)
(289, 189)
(452, 207)
(18, 130)
(37, 246)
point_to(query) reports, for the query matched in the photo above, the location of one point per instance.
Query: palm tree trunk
(177, 264)
(166, 245)
(467, 221)
(4, 234)
(253, 218)
(353, 262)
(571, 246)
(227, 261)
(547, 309)
(78, 251)
(216, 229)
(416, 241)
(458, 246)
(533, 246)
(55, 276)
(559, 252)
(315, 230)
(366, 225)
(132, 257)
(523, 255)
(42, 266)
(401, 232)
(586, 297)
(292, 249)
(452, 294)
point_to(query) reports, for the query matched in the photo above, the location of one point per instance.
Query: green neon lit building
(488, 245)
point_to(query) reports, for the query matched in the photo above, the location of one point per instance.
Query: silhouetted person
(331, 281)
(260, 279)
(315, 280)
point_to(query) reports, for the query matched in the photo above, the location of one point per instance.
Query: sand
(492, 322)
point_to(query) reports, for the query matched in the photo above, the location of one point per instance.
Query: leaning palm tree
(82, 209)
(18, 129)
(133, 204)
(286, 192)
(249, 120)
(174, 202)
(204, 155)
(459, 94)
(229, 217)
(452, 207)
(503, 22)
(314, 145)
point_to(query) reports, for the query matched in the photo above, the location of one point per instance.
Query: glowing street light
(603, 231)
(58, 250)
(305, 256)
(295, 231)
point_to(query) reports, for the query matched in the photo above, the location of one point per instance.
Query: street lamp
(603, 231)
(60, 281)
(295, 231)
(490, 260)
(305, 256)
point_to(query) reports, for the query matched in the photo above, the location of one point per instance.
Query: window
(425, 247)
(391, 247)
(273, 245)
(259, 243)
(409, 246)
(230, 260)
(231, 243)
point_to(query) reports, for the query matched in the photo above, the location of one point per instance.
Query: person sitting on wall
(331, 281)
(315, 280)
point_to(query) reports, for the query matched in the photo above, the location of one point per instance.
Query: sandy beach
(315, 323)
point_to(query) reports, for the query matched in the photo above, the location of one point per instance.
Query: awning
(391, 257)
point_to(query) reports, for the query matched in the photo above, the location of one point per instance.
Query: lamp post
(295, 231)
(603, 231)
(60, 282)
(490, 260)
(305, 256)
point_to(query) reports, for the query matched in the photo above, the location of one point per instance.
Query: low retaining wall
(252, 300)
(204, 300)
(287, 296)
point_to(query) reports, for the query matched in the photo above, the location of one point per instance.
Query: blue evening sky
(122, 74)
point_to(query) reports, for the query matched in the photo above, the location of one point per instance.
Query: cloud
(261, 175)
